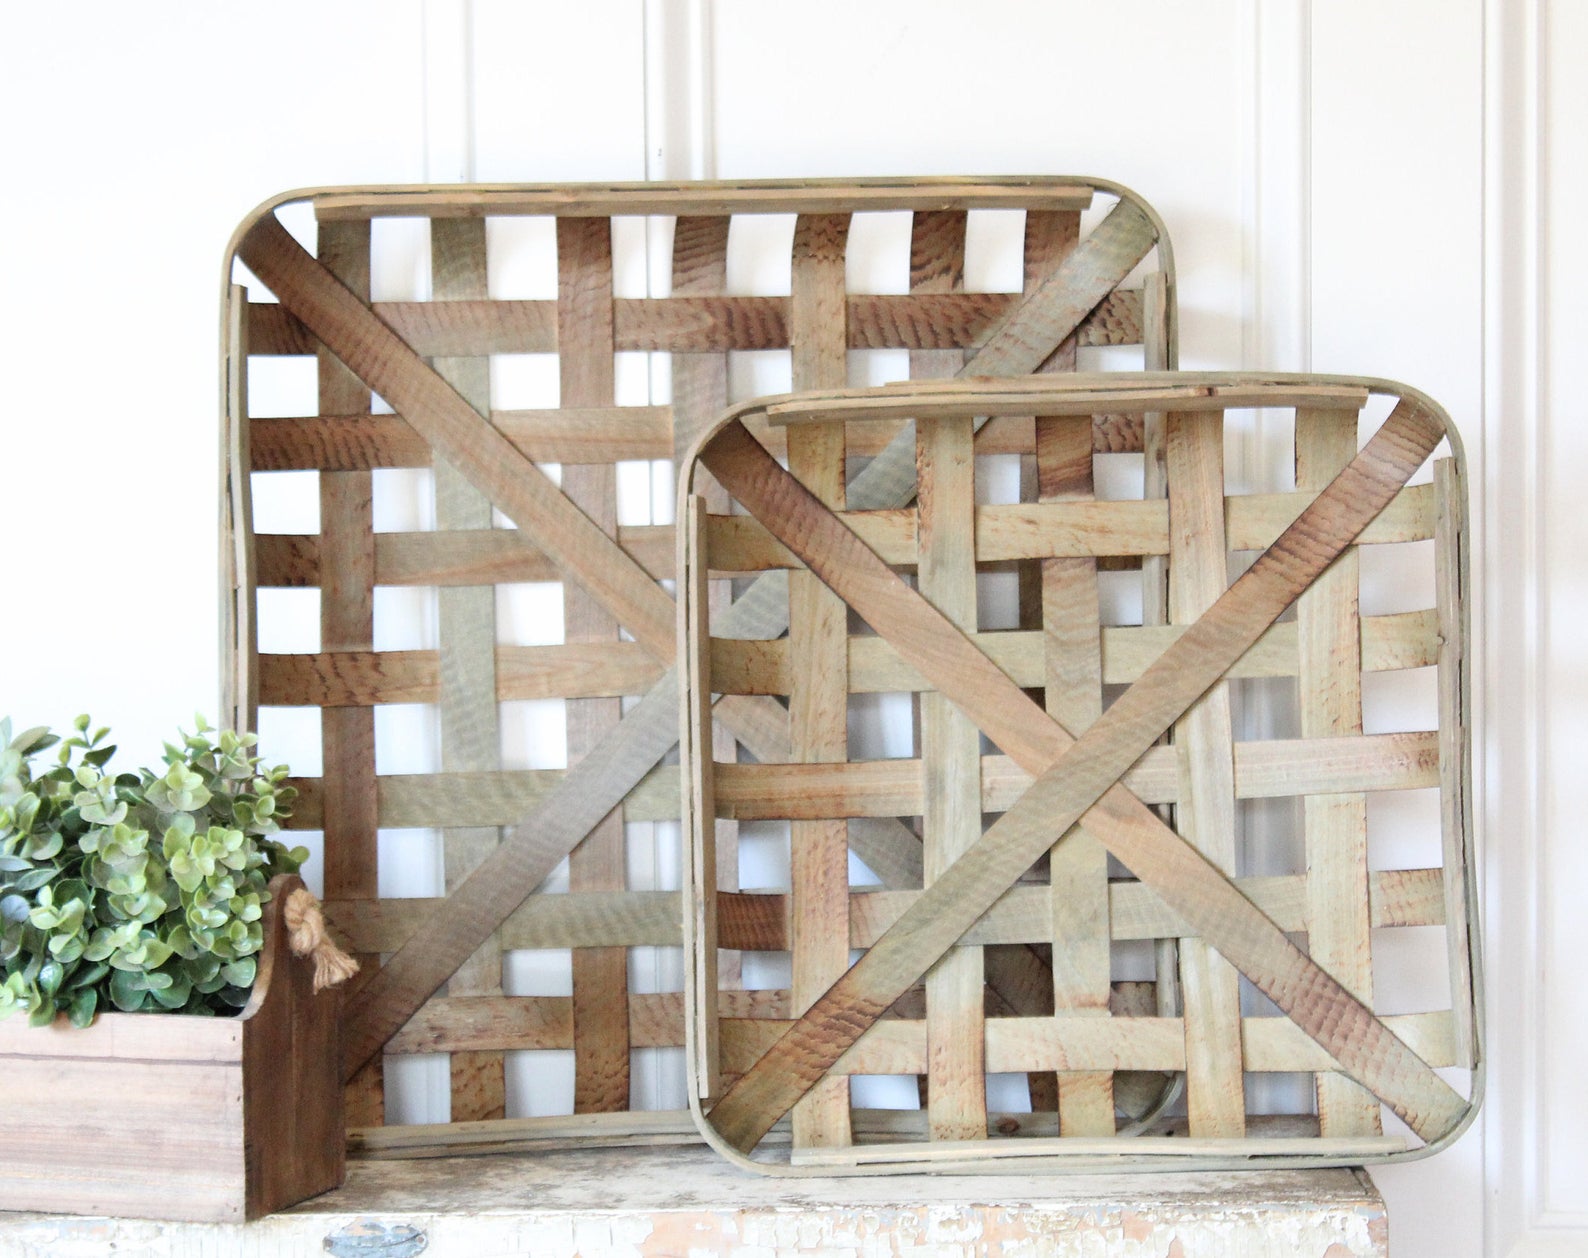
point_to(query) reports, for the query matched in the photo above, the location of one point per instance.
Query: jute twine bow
(307, 936)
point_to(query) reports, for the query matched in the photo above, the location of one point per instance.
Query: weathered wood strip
(1335, 825)
(1073, 695)
(768, 196)
(700, 394)
(1203, 738)
(951, 765)
(1452, 595)
(818, 644)
(1317, 1003)
(586, 368)
(348, 443)
(470, 731)
(1084, 529)
(347, 623)
(706, 324)
(1265, 769)
(1399, 640)
(759, 920)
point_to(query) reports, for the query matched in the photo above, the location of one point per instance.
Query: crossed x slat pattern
(444, 413)
(1077, 780)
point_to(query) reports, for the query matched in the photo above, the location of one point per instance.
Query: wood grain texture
(951, 767)
(1335, 826)
(347, 588)
(1071, 622)
(470, 729)
(700, 394)
(1319, 1005)
(1453, 599)
(259, 1096)
(586, 370)
(759, 920)
(715, 323)
(818, 642)
(1203, 740)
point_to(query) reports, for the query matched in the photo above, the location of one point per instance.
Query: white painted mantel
(1357, 186)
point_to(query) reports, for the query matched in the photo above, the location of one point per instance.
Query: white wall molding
(1517, 817)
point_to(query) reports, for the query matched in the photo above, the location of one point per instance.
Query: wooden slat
(1335, 826)
(586, 369)
(342, 443)
(951, 765)
(1328, 1013)
(1014, 531)
(1073, 693)
(470, 730)
(759, 920)
(818, 643)
(1452, 595)
(345, 443)
(1264, 769)
(1203, 740)
(705, 324)
(1396, 641)
(769, 196)
(347, 623)
(238, 552)
(700, 394)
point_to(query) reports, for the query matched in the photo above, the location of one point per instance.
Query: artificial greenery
(141, 890)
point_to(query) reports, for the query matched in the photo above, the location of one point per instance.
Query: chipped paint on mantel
(684, 1203)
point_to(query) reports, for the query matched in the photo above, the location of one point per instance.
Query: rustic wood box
(178, 1117)
(713, 289)
(1133, 718)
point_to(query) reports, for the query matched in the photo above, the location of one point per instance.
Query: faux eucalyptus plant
(141, 891)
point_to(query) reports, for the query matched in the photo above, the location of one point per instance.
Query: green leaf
(83, 1006)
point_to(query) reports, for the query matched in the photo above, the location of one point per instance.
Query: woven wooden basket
(1269, 959)
(506, 821)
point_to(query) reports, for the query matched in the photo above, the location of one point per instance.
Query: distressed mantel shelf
(682, 1202)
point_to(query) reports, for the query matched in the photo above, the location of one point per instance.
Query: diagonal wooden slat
(527, 854)
(1080, 777)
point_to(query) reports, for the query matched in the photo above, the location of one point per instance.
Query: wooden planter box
(170, 1117)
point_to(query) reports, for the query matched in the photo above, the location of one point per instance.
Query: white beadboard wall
(1350, 186)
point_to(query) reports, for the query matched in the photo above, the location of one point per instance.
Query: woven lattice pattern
(1084, 654)
(493, 800)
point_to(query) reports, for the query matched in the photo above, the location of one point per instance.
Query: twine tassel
(307, 936)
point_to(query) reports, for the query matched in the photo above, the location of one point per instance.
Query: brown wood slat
(1267, 769)
(1203, 739)
(951, 765)
(470, 731)
(586, 368)
(818, 642)
(1335, 826)
(1073, 692)
(1366, 1049)
(759, 920)
(1397, 641)
(687, 324)
(347, 623)
(768, 196)
(700, 394)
